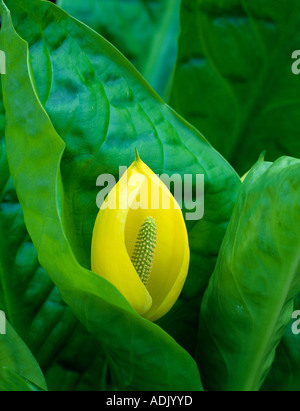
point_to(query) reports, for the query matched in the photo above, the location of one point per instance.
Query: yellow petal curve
(116, 231)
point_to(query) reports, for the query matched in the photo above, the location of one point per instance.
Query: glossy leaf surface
(285, 372)
(69, 357)
(250, 298)
(113, 94)
(16, 357)
(63, 178)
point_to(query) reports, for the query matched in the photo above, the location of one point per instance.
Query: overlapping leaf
(249, 301)
(16, 360)
(70, 358)
(285, 372)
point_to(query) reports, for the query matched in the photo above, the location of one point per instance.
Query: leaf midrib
(253, 380)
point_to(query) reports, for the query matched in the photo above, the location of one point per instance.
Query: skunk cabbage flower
(140, 242)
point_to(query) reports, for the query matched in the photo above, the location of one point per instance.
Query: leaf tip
(262, 156)
(137, 156)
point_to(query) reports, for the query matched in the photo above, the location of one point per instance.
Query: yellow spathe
(138, 196)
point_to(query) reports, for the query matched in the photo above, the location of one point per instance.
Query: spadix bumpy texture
(142, 250)
(143, 254)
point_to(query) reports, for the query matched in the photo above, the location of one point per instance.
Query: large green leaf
(145, 31)
(285, 371)
(70, 358)
(233, 78)
(12, 381)
(249, 301)
(55, 179)
(103, 109)
(16, 359)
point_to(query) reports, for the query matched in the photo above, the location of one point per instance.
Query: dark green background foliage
(233, 78)
(80, 94)
(145, 31)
